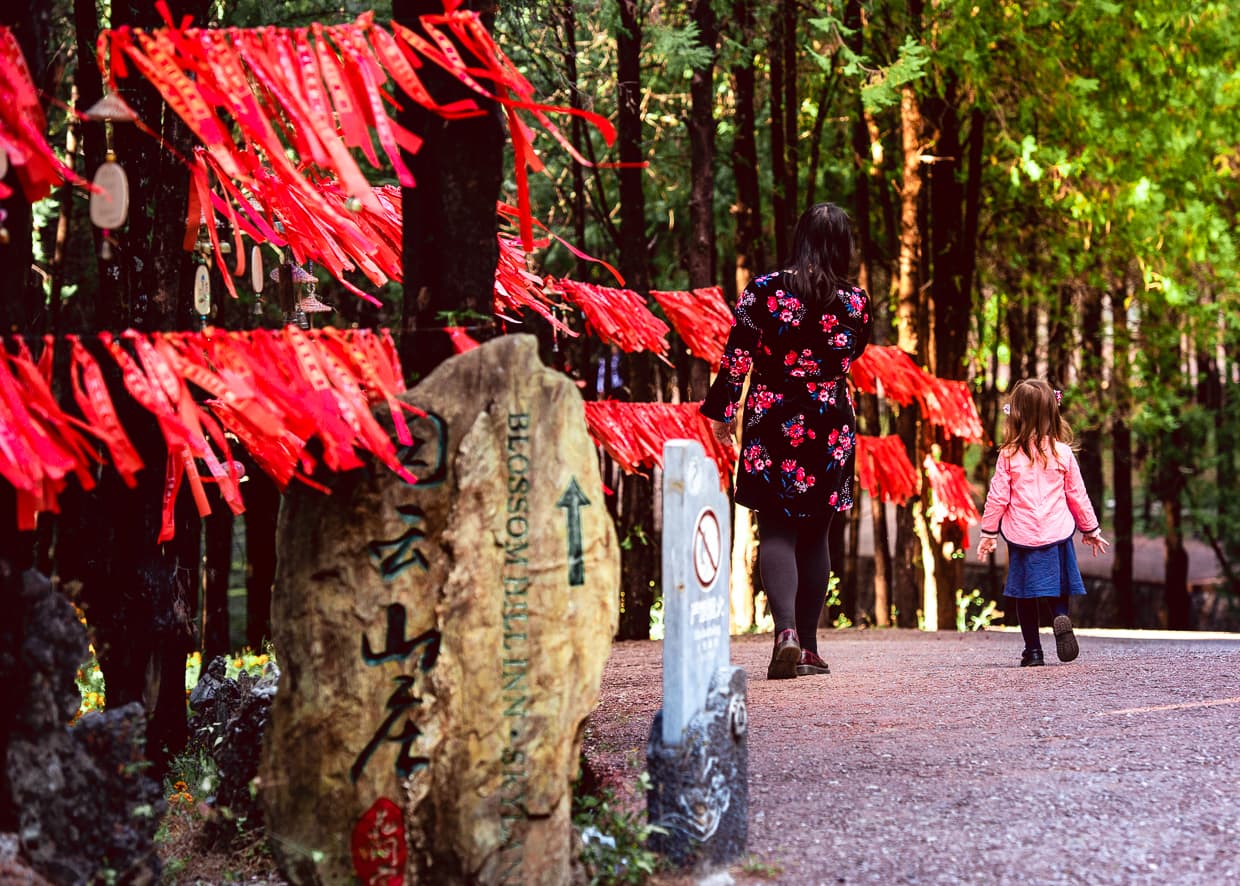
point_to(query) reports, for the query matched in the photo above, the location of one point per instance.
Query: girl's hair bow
(1007, 407)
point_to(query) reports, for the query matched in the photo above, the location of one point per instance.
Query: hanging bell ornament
(111, 108)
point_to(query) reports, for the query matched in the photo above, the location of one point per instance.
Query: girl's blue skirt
(1048, 571)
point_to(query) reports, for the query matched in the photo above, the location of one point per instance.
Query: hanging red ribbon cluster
(884, 470)
(953, 498)
(321, 91)
(273, 391)
(22, 125)
(634, 433)
(701, 318)
(617, 316)
(944, 402)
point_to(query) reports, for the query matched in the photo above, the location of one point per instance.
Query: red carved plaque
(378, 845)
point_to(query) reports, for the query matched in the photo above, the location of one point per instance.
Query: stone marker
(698, 754)
(442, 642)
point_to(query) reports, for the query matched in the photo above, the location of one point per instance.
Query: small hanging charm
(109, 203)
(202, 292)
(256, 269)
(4, 163)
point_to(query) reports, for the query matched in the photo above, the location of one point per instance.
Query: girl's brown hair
(1033, 418)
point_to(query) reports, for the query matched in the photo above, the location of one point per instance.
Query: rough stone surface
(86, 804)
(934, 759)
(700, 789)
(442, 642)
(229, 720)
(78, 796)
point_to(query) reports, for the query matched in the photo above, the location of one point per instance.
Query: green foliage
(91, 685)
(973, 612)
(760, 868)
(880, 86)
(656, 618)
(613, 839)
(833, 600)
(681, 49)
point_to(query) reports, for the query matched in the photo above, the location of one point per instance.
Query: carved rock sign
(443, 641)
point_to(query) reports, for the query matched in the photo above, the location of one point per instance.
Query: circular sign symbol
(707, 548)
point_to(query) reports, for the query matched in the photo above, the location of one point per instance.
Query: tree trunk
(262, 511)
(217, 556)
(139, 610)
(908, 563)
(949, 303)
(449, 250)
(750, 258)
(702, 177)
(1176, 575)
(640, 568)
(1090, 455)
(1121, 448)
(780, 199)
(792, 114)
(22, 307)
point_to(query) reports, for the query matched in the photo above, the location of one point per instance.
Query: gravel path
(932, 758)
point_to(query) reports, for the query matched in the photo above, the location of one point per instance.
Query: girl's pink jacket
(1038, 504)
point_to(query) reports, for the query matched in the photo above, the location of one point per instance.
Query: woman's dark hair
(822, 250)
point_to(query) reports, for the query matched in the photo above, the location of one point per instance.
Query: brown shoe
(786, 656)
(811, 663)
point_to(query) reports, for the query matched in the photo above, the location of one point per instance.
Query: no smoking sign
(707, 548)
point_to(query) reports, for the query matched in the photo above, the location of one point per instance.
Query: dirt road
(932, 758)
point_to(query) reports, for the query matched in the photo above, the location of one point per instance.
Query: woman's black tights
(795, 563)
(1027, 612)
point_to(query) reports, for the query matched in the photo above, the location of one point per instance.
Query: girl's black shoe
(1066, 646)
(1031, 658)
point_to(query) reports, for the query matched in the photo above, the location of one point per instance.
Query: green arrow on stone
(573, 500)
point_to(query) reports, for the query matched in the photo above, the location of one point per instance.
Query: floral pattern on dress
(794, 476)
(796, 431)
(760, 401)
(798, 445)
(786, 309)
(842, 442)
(827, 394)
(755, 459)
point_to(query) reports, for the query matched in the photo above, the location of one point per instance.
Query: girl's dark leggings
(795, 564)
(1027, 612)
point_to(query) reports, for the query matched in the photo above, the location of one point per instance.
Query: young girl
(1037, 500)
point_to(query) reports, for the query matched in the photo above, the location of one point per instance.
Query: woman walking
(797, 330)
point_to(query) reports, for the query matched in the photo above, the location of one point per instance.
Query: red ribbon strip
(701, 318)
(273, 391)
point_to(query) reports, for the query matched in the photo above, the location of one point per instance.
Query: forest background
(1039, 189)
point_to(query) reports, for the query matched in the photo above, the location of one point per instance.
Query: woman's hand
(986, 547)
(723, 432)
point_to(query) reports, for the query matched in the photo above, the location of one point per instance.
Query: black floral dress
(798, 443)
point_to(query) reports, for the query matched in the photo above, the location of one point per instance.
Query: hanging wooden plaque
(202, 291)
(256, 269)
(109, 205)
